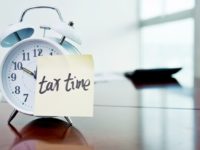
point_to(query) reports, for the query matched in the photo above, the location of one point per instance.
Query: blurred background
(124, 35)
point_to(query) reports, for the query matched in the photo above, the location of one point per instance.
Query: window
(167, 36)
(178, 5)
(154, 8)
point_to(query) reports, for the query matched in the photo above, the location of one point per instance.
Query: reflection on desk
(125, 118)
(48, 133)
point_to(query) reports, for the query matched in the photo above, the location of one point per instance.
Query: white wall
(108, 27)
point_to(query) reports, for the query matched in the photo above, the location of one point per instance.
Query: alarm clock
(18, 72)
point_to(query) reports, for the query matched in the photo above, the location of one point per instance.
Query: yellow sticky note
(64, 86)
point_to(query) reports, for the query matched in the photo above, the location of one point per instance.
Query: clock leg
(68, 120)
(15, 131)
(12, 116)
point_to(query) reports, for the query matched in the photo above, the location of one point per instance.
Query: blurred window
(154, 8)
(168, 41)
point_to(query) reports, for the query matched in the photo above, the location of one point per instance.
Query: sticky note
(64, 86)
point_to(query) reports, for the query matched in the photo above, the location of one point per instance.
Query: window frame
(167, 18)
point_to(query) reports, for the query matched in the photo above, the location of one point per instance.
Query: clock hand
(35, 73)
(29, 72)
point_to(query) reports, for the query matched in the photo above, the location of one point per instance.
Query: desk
(125, 118)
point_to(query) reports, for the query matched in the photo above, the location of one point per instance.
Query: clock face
(19, 72)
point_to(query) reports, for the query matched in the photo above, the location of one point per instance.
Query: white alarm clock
(19, 70)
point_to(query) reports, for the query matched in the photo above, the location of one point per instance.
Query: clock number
(37, 52)
(26, 56)
(51, 53)
(13, 77)
(17, 90)
(26, 97)
(17, 65)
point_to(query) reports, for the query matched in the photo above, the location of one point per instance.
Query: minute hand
(29, 72)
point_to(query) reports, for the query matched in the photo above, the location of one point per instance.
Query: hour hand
(29, 72)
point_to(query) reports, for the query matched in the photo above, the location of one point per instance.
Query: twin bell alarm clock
(23, 46)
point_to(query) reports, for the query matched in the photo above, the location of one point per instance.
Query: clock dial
(19, 72)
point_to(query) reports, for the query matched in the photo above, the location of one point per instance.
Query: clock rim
(4, 93)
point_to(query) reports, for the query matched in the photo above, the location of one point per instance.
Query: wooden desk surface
(125, 118)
